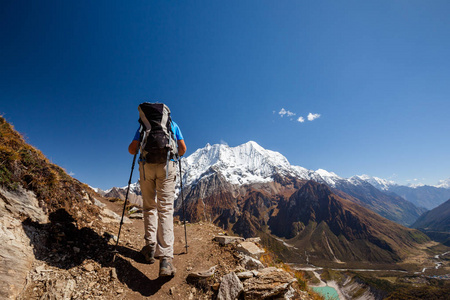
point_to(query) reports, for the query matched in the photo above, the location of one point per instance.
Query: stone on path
(250, 249)
(250, 263)
(230, 287)
(225, 240)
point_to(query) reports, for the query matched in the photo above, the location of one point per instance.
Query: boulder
(16, 254)
(249, 248)
(250, 263)
(230, 287)
(268, 283)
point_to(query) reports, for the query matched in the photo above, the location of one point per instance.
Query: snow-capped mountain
(379, 183)
(250, 164)
(244, 164)
(444, 184)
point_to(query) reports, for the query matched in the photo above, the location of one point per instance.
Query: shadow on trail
(61, 244)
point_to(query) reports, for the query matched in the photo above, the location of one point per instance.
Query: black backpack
(158, 144)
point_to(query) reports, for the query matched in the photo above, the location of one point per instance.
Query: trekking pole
(184, 206)
(124, 206)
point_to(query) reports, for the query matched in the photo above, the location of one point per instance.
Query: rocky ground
(70, 260)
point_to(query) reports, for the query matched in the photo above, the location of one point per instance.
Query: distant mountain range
(250, 163)
(254, 191)
(420, 195)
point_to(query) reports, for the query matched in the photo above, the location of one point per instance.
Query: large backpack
(158, 144)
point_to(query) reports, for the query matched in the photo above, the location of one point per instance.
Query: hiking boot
(166, 267)
(149, 254)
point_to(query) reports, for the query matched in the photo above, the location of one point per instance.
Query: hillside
(329, 227)
(24, 167)
(388, 205)
(436, 223)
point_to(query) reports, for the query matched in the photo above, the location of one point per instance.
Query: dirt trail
(75, 262)
(140, 280)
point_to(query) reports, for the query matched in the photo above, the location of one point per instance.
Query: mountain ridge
(249, 163)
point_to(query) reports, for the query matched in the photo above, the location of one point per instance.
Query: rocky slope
(332, 228)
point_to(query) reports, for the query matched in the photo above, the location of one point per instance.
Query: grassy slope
(23, 165)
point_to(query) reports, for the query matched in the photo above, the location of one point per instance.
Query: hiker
(157, 180)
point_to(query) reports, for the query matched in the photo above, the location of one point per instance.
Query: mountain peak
(379, 183)
(246, 163)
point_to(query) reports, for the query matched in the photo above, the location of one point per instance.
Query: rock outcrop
(16, 253)
(253, 280)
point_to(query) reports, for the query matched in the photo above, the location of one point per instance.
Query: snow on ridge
(246, 163)
(250, 163)
(379, 183)
(416, 185)
(330, 178)
(444, 184)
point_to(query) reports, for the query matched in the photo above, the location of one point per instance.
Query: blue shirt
(175, 129)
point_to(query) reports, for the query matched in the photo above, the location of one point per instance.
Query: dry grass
(23, 165)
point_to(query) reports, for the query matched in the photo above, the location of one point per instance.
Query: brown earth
(96, 276)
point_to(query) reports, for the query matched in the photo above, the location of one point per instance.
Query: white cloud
(312, 117)
(71, 173)
(284, 112)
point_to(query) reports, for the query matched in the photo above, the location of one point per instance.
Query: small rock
(172, 290)
(113, 274)
(40, 269)
(225, 240)
(203, 274)
(245, 275)
(88, 267)
(98, 203)
(254, 240)
(76, 249)
(119, 291)
(136, 216)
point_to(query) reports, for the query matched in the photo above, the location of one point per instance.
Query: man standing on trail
(157, 181)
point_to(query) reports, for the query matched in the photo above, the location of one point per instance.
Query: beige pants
(158, 194)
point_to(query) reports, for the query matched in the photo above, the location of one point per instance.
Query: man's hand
(133, 148)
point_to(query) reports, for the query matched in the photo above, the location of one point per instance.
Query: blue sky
(72, 74)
